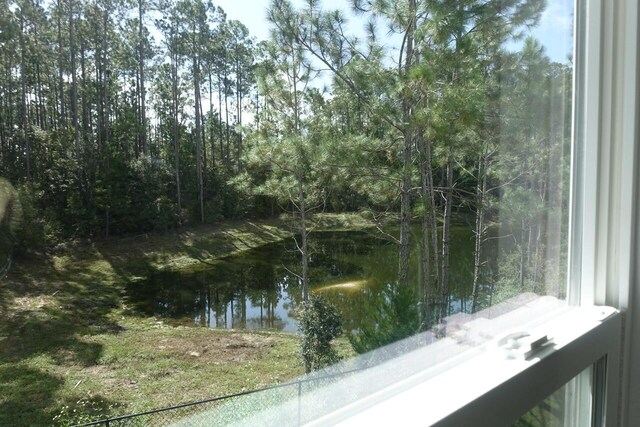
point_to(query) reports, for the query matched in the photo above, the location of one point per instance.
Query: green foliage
(136, 196)
(150, 188)
(395, 315)
(39, 225)
(319, 322)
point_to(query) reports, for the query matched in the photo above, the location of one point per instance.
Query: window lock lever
(523, 345)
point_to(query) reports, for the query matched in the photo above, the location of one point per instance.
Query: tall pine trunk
(203, 143)
(446, 235)
(481, 191)
(86, 114)
(24, 108)
(40, 109)
(196, 78)
(226, 113)
(210, 122)
(304, 250)
(74, 82)
(434, 218)
(142, 108)
(239, 112)
(407, 155)
(176, 142)
(63, 111)
(426, 225)
(220, 89)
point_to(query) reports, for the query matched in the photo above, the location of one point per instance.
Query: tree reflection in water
(257, 289)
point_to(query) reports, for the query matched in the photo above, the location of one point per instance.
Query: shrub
(320, 322)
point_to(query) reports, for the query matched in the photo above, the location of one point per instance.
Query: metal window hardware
(523, 345)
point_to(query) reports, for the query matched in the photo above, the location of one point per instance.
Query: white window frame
(494, 387)
(604, 241)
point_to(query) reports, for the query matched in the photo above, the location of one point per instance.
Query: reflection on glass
(555, 410)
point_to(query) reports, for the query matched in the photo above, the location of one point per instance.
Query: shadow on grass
(28, 396)
(47, 310)
(44, 314)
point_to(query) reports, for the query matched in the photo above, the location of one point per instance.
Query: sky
(252, 13)
(553, 30)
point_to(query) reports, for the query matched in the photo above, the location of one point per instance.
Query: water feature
(258, 289)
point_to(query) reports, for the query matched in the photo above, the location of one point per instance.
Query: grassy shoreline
(67, 340)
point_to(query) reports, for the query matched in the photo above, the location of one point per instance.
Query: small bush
(320, 322)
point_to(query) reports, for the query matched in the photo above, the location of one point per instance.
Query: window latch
(523, 345)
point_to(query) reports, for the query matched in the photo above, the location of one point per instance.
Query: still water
(258, 289)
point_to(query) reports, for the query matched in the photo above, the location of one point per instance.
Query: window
(169, 171)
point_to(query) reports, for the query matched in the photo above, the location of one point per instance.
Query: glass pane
(321, 179)
(568, 406)
(549, 413)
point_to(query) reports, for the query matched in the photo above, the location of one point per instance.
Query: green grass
(67, 343)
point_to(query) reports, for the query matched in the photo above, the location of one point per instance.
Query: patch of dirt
(32, 303)
(219, 348)
(96, 369)
(105, 374)
(107, 328)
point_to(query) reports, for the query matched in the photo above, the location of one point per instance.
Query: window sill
(442, 395)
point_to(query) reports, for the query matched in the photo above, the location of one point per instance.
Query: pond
(258, 289)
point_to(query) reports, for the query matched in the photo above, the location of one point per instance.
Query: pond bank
(68, 340)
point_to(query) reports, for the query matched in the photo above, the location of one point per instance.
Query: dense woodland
(126, 117)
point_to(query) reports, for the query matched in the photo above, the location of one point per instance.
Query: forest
(127, 117)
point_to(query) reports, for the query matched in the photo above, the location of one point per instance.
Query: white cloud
(555, 29)
(558, 16)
